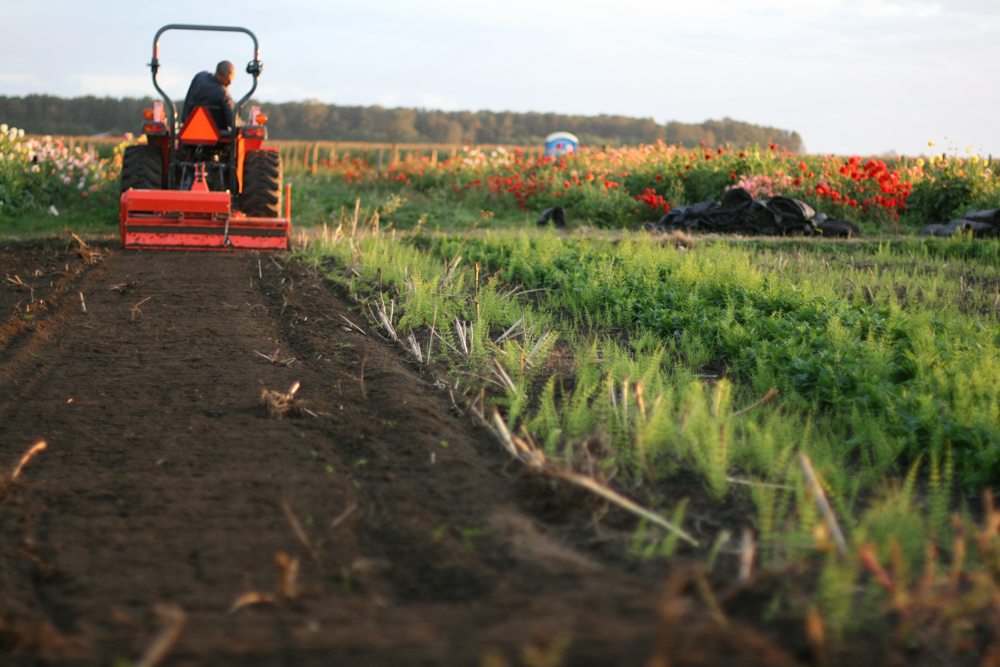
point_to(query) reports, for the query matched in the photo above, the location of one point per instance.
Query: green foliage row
(899, 363)
(645, 361)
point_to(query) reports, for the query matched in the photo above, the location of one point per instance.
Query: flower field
(612, 188)
(44, 174)
(624, 186)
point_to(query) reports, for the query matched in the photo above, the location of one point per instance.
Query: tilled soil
(168, 492)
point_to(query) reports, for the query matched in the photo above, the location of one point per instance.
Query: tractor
(194, 185)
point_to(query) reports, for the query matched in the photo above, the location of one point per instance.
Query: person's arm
(229, 107)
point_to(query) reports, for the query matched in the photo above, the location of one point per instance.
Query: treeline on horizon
(316, 121)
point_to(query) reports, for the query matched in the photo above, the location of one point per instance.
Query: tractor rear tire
(261, 196)
(142, 168)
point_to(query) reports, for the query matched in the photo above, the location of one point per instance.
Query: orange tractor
(196, 186)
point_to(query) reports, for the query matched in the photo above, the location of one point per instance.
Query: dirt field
(168, 494)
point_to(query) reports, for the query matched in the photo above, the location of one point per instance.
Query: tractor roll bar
(254, 67)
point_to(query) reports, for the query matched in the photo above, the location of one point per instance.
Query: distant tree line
(311, 120)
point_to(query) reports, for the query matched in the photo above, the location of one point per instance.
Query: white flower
(53, 211)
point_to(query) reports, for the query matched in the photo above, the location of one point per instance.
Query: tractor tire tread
(142, 168)
(261, 184)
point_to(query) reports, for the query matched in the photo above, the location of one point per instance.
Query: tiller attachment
(197, 219)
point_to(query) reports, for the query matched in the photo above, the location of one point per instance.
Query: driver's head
(225, 72)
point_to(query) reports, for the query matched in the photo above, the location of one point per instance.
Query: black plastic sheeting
(740, 213)
(556, 214)
(982, 224)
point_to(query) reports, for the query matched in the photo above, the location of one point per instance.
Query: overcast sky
(851, 76)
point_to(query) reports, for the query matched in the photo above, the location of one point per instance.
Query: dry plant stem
(354, 326)
(288, 575)
(173, 619)
(771, 394)
(360, 377)
(535, 459)
(430, 339)
(33, 451)
(708, 597)
(275, 358)
(300, 532)
(751, 482)
(83, 302)
(136, 313)
(824, 505)
(415, 350)
(342, 517)
(250, 599)
(748, 551)
(502, 374)
(816, 634)
(88, 254)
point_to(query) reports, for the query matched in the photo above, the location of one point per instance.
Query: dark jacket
(206, 91)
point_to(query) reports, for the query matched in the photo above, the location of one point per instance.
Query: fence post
(394, 155)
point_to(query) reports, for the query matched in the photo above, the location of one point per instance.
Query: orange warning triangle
(200, 128)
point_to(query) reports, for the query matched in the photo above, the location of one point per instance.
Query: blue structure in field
(561, 143)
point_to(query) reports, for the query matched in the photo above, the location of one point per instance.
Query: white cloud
(881, 8)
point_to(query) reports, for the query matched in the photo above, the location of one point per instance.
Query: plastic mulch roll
(991, 216)
(792, 209)
(737, 198)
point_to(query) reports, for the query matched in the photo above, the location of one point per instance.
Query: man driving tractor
(211, 91)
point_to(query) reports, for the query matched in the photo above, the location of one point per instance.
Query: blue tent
(560, 143)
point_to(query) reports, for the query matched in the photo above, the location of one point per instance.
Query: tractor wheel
(261, 196)
(142, 168)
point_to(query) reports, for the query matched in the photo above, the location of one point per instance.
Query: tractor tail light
(255, 132)
(147, 114)
(261, 118)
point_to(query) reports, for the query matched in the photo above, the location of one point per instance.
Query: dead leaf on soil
(275, 358)
(281, 404)
(249, 599)
(287, 585)
(122, 288)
